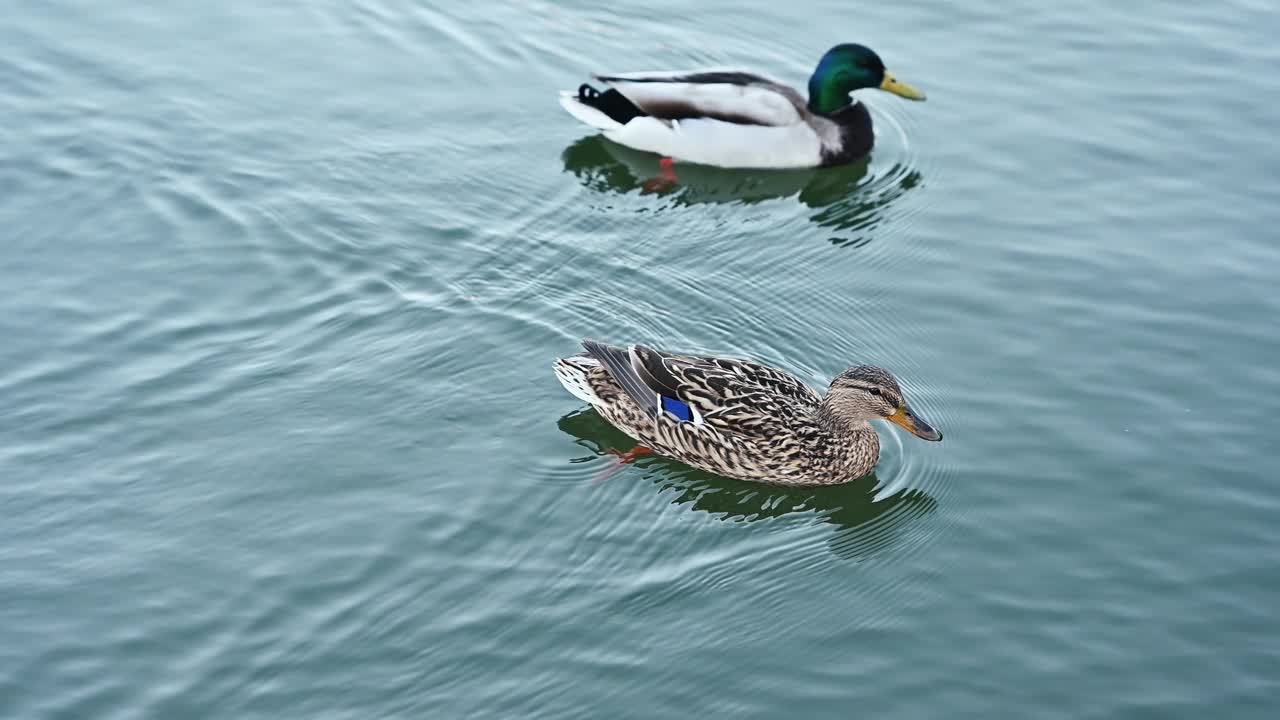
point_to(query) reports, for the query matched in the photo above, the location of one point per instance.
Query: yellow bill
(897, 87)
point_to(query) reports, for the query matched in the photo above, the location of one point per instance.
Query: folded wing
(734, 396)
(731, 96)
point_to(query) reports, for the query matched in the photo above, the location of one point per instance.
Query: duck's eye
(876, 391)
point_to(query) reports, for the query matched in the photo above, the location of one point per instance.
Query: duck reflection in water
(845, 198)
(865, 523)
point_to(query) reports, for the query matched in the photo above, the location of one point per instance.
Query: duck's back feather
(733, 396)
(737, 97)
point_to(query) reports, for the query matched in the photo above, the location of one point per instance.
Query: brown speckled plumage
(751, 422)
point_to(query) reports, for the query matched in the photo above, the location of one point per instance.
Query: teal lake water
(283, 283)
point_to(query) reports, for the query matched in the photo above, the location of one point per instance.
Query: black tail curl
(610, 102)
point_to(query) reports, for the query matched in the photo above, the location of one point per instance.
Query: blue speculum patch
(679, 409)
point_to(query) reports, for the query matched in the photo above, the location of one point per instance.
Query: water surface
(283, 287)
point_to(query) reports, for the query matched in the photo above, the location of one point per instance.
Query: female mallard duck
(737, 119)
(740, 419)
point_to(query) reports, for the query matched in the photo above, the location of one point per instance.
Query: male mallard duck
(740, 419)
(738, 119)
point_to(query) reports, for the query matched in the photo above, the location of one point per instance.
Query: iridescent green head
(850, 67)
